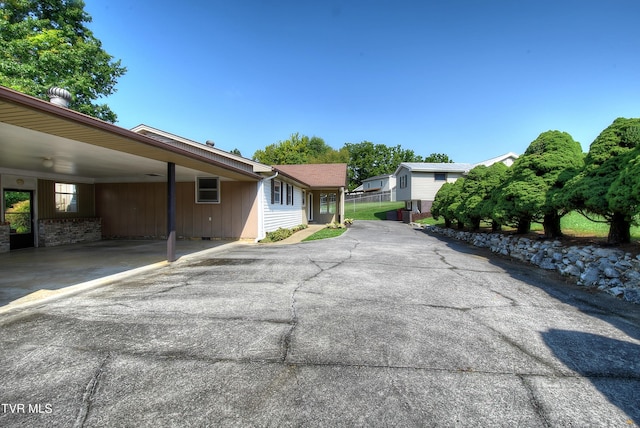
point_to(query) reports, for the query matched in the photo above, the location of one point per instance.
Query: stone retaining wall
(54, 232)
(609, 269)
(5, 238)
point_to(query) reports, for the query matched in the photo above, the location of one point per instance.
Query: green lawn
(573, 224)
(325, 233)
(370, 210)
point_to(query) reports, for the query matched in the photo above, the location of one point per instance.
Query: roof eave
(48, 108)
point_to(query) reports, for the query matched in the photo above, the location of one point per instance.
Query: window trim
(289, 194)
(199, 188)
(73, 195)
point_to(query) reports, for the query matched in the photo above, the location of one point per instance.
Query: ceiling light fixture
(47, 163)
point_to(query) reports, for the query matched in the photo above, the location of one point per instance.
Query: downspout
(261, 198)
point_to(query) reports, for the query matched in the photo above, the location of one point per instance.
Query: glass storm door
(310, 207)
(18, 211)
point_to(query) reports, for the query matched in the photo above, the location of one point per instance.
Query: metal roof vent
(210, 143)
(60, 97)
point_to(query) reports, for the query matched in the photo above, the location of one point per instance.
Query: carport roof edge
(80, 127)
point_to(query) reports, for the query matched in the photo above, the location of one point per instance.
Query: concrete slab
(34, 273)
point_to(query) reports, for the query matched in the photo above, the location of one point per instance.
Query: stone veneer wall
(56, 232)
(5, 243)
(608, 269)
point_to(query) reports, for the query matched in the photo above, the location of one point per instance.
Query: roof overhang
(32, 130)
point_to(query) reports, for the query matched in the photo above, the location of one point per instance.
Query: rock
(632, 295)
(547, 264)
(570, 270)
(590, 276)
(616, 291)
(611, 272)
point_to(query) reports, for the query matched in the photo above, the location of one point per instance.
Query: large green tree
(532, 192)
(298, 149)
(476, 192)
(447, 202)
(368, 160)
(603, 184)
(436, 158)
(494, 178)
(47, 43)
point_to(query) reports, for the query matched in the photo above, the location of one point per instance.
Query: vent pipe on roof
(210, 143)
(60, 97)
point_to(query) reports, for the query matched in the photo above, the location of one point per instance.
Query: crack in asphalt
(89, 393)
(185, 356)
(520, 348)
(286, 340)
(535, 403)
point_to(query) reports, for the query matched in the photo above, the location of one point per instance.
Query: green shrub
(282, 233)
(335, 225)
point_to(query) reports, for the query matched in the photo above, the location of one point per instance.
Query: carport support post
(171, 211)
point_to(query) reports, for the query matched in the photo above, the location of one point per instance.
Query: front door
(18, 211)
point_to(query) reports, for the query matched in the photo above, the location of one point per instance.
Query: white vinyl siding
(279, 215)
(424, 186)
(404, 193)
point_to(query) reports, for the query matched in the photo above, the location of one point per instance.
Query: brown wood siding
(47, 205)
(139, 210)
(132, 209)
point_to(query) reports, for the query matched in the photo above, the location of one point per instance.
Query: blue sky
(470, 78)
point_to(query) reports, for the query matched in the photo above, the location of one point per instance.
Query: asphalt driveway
(384, 326)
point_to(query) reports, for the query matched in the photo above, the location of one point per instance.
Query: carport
(33, 273)
(42, 143)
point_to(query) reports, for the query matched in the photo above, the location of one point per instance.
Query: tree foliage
(369, 160)
(604, 182)
(46, 43)
(447, 201)
(476, 191)
(436, 158)
(364, 159)
(533, 191)
(299, 149)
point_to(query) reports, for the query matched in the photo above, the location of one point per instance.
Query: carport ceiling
(24, 149)
(82, 147)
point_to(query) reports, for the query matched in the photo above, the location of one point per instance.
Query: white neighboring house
(417, 182)
(379, 183)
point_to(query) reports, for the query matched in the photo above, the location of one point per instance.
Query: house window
(327, 203)
(440, 176)
(289, 194)
(207, 190)
(66, 197)
(403, 181)
(276, 192)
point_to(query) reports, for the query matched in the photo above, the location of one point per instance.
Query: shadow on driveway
(612, 366)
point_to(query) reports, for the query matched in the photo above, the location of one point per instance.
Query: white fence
(352, 199)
